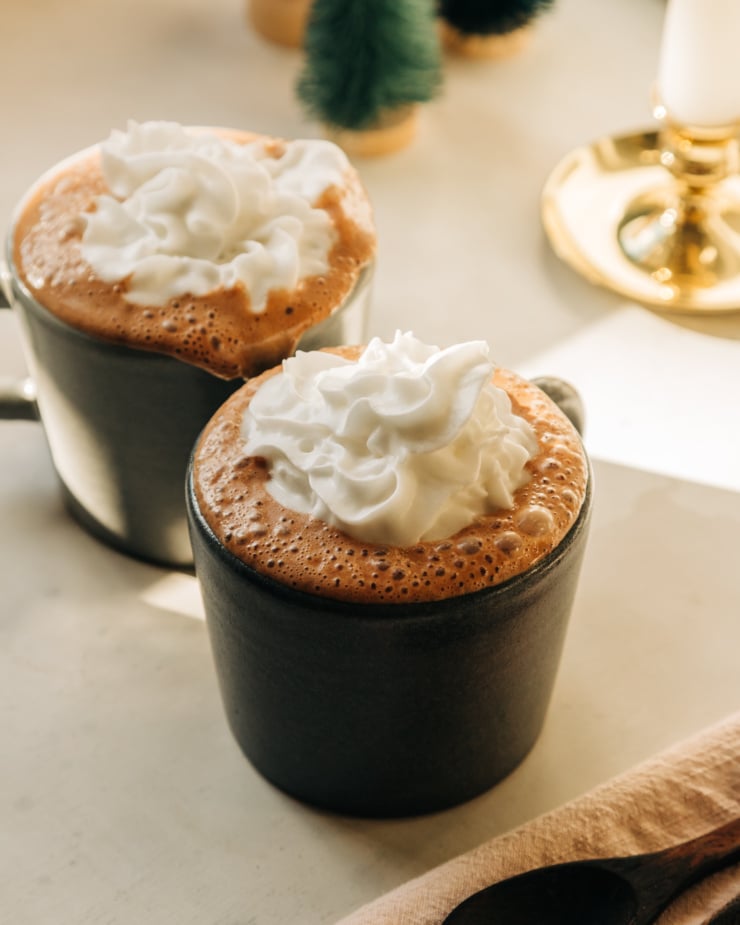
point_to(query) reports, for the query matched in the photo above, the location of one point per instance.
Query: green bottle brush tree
(488, 28)
(368, 66)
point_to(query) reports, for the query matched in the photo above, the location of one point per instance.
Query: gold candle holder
(654, 216)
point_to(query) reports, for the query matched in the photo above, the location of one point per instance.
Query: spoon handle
(661, 877)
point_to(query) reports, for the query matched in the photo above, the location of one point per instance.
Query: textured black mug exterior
(385, 709)
(121, 422)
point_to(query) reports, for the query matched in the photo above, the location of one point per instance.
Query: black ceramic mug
(121, 422)
(387, 709)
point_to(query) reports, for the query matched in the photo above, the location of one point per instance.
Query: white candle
(699, 72)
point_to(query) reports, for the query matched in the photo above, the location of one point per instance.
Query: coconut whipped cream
(193, 212)
(408, 443)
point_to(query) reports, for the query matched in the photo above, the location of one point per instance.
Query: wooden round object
(484, 46)
(393, 132)
(280, 21)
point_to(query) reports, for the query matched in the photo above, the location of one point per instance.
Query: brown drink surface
(305, 553)
(217, 331)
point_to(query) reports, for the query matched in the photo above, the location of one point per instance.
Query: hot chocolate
(388, 543)
(218, 247)
(499, 480)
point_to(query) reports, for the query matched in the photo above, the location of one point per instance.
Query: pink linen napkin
(683, 792)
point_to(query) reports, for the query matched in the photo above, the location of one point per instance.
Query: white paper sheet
(658, 396)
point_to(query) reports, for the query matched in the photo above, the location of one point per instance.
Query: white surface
(660, 397)
(122, 795)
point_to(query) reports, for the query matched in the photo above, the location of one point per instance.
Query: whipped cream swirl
(407, 443)
(192, 212)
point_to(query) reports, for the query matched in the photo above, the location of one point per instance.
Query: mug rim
(68, 330)
(384, 610)
(16, 282)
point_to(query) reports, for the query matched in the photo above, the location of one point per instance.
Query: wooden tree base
(395, 131)
(484, 46)
(280, 21)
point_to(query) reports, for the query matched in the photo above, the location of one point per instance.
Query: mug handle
(17, 396)
(566, 397)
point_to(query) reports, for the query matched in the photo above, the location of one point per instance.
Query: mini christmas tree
(367, 67)
(488, 28)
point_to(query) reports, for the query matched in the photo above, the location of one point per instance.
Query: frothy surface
(205, 273)
(408, 443)
(304, 552)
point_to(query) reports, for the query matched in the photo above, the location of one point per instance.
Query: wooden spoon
(609, 891)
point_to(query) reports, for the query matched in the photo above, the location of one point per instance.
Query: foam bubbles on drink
(307, 554)
(535, 520)
(216, 330)
(508, 542)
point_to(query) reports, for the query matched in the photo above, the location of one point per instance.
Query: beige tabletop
(123, 797)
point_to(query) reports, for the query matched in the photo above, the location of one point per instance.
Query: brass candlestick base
(654, 216)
